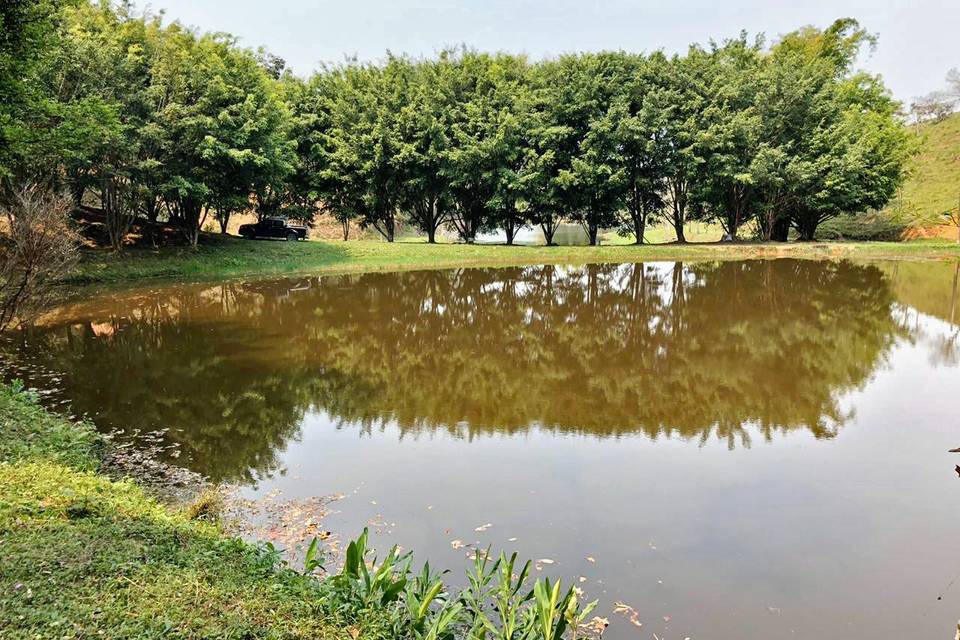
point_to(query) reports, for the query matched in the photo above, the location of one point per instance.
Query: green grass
(934, 184)
(85, 556)
(225, 257)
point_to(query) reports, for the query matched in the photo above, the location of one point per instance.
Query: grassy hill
(934, 185)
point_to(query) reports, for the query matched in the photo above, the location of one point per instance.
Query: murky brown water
(745, 449)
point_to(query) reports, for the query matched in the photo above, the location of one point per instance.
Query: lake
(733, 450)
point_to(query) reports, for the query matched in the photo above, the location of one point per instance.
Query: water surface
(737, 449)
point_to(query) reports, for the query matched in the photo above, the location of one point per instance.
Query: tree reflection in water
(692, 351)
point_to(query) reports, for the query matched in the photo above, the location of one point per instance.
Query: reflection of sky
(849, 537)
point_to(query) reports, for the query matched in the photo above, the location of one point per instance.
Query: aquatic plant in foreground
(498, 602)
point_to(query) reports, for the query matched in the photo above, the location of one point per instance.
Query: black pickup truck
(276, 228)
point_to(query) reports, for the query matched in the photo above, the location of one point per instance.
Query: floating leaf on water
(619, 607)
(483, 527)
(599, 624)
(591, 559)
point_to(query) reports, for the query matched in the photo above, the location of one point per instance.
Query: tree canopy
(163, 122)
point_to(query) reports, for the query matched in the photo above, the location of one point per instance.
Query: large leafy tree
(639, 121)
(835, 142)
(591, 107)
(423, 142)
(222, 133)
(729, 133)
(484, 131)
(360, 145)
(683, 95)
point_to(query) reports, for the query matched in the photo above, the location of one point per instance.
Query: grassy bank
(220, 257)
(85, 556)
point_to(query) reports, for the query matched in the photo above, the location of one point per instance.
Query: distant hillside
(934, 185)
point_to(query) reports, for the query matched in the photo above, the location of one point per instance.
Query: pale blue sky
(919, 40)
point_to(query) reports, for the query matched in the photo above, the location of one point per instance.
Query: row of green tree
(162, 122)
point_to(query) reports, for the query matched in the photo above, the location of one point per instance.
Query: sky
(918, 40)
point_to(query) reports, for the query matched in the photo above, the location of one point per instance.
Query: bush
(42, 247)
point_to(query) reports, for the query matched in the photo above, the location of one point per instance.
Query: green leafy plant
(496, 604)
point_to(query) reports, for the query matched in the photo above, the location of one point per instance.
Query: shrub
(41, 247)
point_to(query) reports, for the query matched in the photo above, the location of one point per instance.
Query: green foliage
(28, 33)
(162, 120)
(496, 604)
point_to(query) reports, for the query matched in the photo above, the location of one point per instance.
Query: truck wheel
(291, 237)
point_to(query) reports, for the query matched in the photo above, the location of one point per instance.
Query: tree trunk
(639, 228)
(548, 231)
(592, 232)
(678, 228)
(190, 211)
(346, 229)
(432, 234)
(152, 210)
(117, 210)
(781, 229)
(807, 229)
(510, 231)
(386, 227)
(224, 221)
(77, 190)
(678, 196)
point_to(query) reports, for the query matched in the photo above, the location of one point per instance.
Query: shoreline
(232, 258)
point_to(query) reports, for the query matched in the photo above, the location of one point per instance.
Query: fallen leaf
(483, 527)
(590, 559)
(599, 623)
